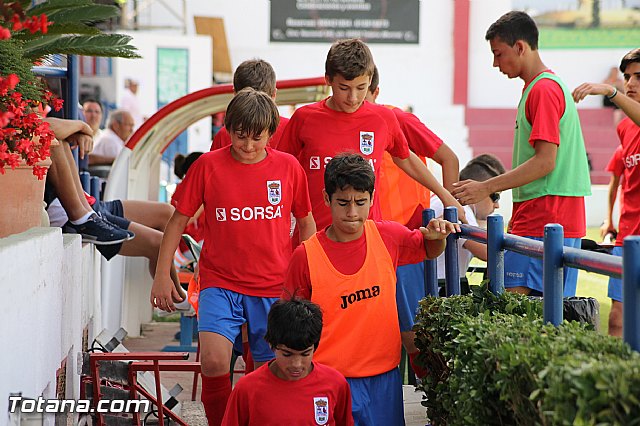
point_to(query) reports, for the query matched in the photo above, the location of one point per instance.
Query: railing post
(85, 180)
(631, 292)
(430, 268)
(451, 269)
(495, 253)
(552, 274)
(95, 187)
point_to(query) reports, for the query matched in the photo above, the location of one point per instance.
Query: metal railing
(554, 257)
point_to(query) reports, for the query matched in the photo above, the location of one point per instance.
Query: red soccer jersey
(629, 134)
(616, 163)
(544, 108)
(248, 206)
(316, 133)
(222, 138)
(261, 398)
(405, 247)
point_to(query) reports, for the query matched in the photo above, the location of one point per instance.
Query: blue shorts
(377, 400)
(615, 284)
(525, 271)
(409, 291)
(223, 312)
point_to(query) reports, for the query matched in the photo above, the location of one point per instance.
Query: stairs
(491, 131)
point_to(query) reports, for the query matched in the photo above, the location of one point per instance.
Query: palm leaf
(113, 45)
(92, 13)
(70, 28)
(54, 5)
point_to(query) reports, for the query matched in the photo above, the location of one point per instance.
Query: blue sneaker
(100, 232)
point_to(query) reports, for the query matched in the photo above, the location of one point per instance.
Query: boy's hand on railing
(450, 201)
(439, 229)
(163, 293)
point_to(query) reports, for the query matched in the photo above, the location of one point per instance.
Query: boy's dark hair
(482, 167)
(252, 112)
(295, 323)
(255, 73)
(182, 163)
(514, 26)
(350, 58)
(349, 170)
(93, 100)
(375, 80)
(629, 58)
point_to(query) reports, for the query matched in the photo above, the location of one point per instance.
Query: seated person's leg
(147, 244)
(149, 213)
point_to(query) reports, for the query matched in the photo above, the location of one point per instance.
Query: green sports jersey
(570, 177)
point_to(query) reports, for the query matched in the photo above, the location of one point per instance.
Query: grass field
(588, 38)
(589, 285)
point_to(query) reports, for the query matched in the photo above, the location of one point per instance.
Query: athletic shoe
(100, 232)
(115, 225)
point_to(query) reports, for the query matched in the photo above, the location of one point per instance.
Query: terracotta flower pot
(21, 196)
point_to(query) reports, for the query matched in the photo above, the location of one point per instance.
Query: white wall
(49, 301)
(145, 71)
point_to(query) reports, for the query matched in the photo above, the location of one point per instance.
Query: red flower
(4, 33)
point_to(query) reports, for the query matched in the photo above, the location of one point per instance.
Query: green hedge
(494, 362)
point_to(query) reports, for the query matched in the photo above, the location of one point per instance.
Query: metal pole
(552, 273)
(451, 269)
(495, 253)
(95, 187)
(85, 180)
(430, 265)
(631, 292)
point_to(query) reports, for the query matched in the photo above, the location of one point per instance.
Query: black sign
(373, 21)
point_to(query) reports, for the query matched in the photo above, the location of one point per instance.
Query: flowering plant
(23, 134)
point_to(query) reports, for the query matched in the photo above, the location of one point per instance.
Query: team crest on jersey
(366, 143)
(274, 191)
(321, 407)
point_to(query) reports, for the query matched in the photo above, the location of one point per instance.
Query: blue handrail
(555, 256)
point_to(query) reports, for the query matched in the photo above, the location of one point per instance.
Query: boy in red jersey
(403, 200)
(249, 192)
(258, 74)
(345, 122)
(629, 135)
(348, 268)
(550, 173)
(292, 389)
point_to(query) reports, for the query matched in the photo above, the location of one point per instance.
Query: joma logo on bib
(359, 295)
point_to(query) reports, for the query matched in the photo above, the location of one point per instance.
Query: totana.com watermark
(42, 405)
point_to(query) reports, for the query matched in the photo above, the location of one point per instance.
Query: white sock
(83, 219)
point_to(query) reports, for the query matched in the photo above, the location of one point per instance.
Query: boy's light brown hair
(255, 73)
(251, 112)
(350, 58)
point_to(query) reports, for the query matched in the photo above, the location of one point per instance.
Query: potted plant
(28, 33)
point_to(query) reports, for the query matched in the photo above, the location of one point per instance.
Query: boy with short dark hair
(629, 135)
(348, 268)
(292, 389)
(345, 122)
(258, 74)
(550, 173)
(249, 192)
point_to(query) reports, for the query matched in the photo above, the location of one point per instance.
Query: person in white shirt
(131, 103)
(112, 139)
(480, 168)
